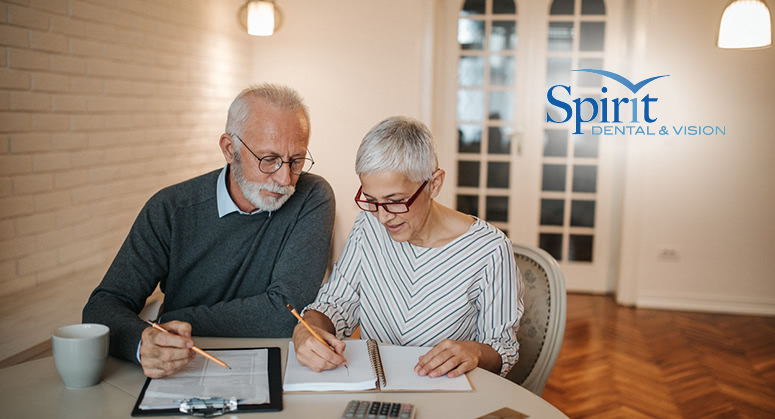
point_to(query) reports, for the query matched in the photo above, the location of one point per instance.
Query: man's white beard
(252, 190)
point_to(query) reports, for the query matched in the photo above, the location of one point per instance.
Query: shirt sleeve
(339, 298)
(501, 307)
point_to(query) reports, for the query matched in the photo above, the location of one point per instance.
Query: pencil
(193, 348)
(311, 330)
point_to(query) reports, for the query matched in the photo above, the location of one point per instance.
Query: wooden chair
(542, 326)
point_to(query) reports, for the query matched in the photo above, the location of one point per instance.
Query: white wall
(355, 63)
(710, 197)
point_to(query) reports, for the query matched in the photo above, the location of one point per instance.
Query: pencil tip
(290, 307)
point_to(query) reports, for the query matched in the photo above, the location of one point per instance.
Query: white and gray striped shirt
(468, 289)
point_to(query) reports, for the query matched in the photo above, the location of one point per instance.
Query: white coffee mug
(80, 353)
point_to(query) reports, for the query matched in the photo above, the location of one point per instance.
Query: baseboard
(708, 303)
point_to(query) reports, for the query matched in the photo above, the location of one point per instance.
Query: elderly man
(229, 248)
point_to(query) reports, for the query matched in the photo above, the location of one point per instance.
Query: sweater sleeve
(501, 307)
(295, 279)
(141, 262)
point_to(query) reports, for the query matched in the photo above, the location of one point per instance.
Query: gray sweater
(229, 276)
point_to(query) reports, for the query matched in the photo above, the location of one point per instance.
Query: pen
(193, 348)
(314, 333)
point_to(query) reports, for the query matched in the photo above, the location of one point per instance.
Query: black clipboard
(275, 389)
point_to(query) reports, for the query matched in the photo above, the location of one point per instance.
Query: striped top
(399, 293)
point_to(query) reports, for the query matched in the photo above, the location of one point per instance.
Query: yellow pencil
(311, 330)
(193, 348)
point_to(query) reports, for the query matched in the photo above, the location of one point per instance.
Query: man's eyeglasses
(270, 164)
(391, 207)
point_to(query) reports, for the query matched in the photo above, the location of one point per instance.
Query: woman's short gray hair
(282, 97)
(398, 144)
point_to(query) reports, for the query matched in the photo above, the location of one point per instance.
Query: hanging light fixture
(745, 24)
(260, 17)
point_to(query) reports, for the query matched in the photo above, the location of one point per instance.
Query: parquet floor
(621, 362)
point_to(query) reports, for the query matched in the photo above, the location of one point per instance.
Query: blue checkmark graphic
(623, 80)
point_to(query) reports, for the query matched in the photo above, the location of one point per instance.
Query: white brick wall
(102, 103)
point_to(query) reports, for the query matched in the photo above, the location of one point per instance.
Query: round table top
(34, 390)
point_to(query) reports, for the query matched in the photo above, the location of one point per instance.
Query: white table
(34, 390)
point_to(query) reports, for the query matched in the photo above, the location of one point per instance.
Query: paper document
(247, 380)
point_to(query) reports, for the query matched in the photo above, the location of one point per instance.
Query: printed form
(247, 380)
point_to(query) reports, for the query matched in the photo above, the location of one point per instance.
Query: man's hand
(449, 357)
(162, 354)
(315, 355)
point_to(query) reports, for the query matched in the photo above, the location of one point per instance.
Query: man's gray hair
(400, 144)
(282, 97)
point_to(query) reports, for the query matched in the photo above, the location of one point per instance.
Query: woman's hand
(449, 357)
(456, 358)
(315, 355)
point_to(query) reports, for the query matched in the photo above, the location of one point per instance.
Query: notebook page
(360, 376)
(398, 363)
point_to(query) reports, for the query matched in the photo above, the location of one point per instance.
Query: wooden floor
(620, 362)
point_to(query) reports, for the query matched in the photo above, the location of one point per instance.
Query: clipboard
(274, 375)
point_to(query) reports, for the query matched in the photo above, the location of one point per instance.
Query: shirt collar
(226, 205)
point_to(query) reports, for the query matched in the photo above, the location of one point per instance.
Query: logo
(611, 113)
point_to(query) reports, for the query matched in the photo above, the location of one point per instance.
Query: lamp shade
(261, 18)
(745, 24)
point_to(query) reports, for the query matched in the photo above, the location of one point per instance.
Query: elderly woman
(414, 272)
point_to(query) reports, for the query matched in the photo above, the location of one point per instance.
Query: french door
(505, 163)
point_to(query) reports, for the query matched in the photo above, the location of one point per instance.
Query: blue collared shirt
(226, 205)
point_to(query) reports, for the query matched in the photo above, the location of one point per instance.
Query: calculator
(378, 410)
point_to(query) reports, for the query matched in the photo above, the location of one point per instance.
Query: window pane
(592, 7)
(499, 140)
(552, 212)
(585, 145)
(560, 36)
(469, 138)
(504, 7)
(580, 248)
(584, 178)
(501, 106)
(556, 142)
(562, 7)
(498, 174)
(503, 36)
(558, 72)
(468, 204)
(552, 243)
(471, 7)
(470, 105)
(498, 208)
(582, 213)
(592, 36)
(590, 79)
(553, 177)
(470, 71)
(501, 70)
(468, 173)
(470, 34)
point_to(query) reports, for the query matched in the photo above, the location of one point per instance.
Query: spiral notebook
(371, 367)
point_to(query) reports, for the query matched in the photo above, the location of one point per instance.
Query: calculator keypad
(357, 409)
